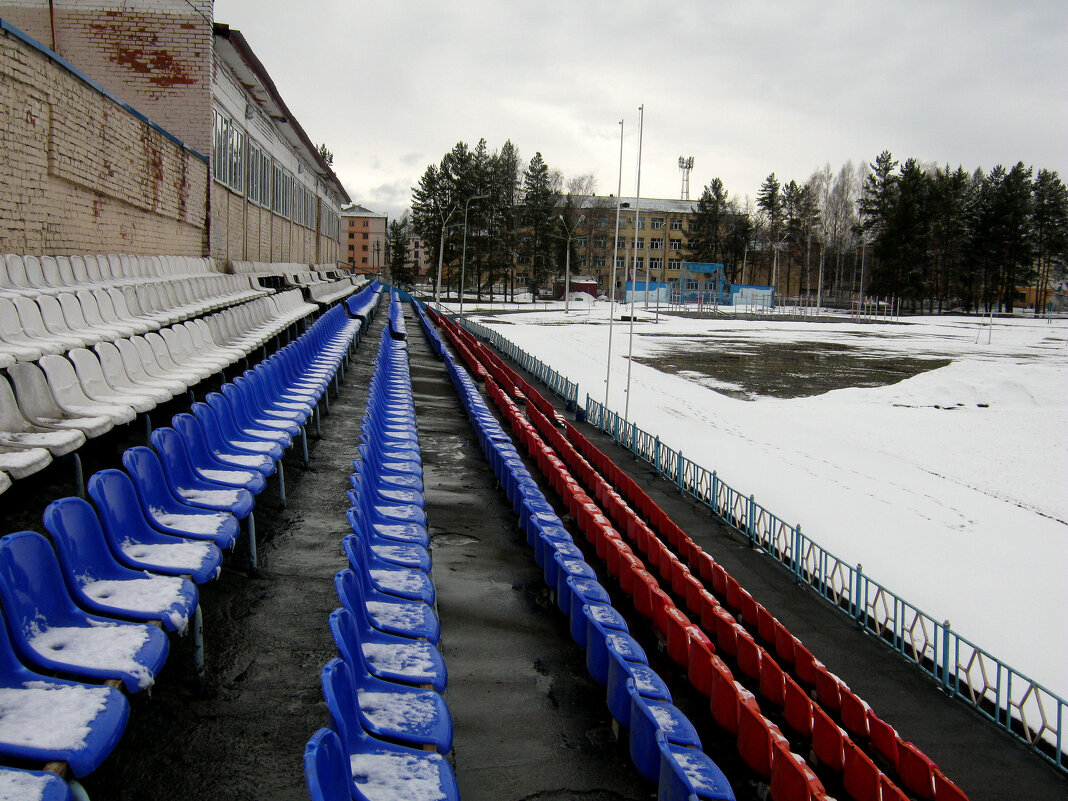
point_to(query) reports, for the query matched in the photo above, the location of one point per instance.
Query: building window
(621, 262)
(600, 242)
(581, 241)
(598, 261)
(363, 260)
(352, 247)
(581, 261)
(639, 263)
(365, 235)
(365, 223)
(658, 223)
(639, 243)
(365, 248)
(621, 242)
(521, 280)
(655, 263)
(674, 264)
(676, 224)
(602, 222)
(641, 223)
(656, 243)
(676, 244)
(229, 166)
(352, 235)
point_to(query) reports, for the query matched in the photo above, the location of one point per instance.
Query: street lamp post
(441, 250)
(567, 259)
(463, 257)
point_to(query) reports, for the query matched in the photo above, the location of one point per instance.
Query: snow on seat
(96, 386)
(381, 771)
(39, 785)
(101, 584)
(16, 430)
(69, 395)
(21, 462)
(136, 544)
(39, 407)
(50, 631)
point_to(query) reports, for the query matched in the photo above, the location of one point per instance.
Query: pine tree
(539, 201)
(708, 224)
(398, 252)
(770, 202)
(1049, 222)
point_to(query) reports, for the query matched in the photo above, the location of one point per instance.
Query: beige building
(141, 127)
(363, 239)
(662, 228)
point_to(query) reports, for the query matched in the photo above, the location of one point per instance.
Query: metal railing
(536, 367)
(1002, 694)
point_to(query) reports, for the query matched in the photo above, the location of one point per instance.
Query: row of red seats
(758, 737)
(917, 772)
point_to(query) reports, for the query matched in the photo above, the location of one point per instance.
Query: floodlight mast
(685, 165)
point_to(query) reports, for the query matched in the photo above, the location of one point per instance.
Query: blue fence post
(945, 656)
(680, 471)
(656, 455)
(797, 551)
(858, 595)
(751, 522)
(715, 492)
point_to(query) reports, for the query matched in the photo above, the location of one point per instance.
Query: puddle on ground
(750, 370)
(446, 538)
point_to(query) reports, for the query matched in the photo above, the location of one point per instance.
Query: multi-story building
(419, 257)
(653, 234)
(143, 127)
(363, 239)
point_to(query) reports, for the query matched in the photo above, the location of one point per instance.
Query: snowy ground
(949, 486)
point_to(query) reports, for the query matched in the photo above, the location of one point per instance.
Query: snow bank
(949, 487)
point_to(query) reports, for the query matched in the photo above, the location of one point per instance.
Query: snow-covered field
(949, 487)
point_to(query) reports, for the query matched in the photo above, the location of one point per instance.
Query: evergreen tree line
(936, 237)
(512, 216)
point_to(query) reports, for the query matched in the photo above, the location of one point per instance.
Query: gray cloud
(746, 89)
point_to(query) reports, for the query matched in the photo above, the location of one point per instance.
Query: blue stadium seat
(389, 657)
(386, 612)
(50, 632)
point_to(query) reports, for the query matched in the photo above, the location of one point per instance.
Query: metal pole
(637, 204)
(441, 252)
(615, 252)
(463, 257)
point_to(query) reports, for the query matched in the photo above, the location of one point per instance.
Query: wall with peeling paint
(79, 173)
(155, 55)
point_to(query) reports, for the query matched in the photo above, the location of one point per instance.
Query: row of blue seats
(663, 743)
(83, 605)
(390, 725)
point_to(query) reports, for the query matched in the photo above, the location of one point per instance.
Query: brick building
(662, 240)
(363, 239)
(142, 127)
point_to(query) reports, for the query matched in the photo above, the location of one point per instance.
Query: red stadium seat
(797, 708)
(860, 775)
(805, 664)
(748, 608)
(945, 790)
(828, 689)
(749, 654)
(699, 669)
(723, 696)
(784, 644)
(772, 680)
(854, 714)
(916, 771)
(756, 737)
(791, 777)
(766, 625)
(828, 742)
(884, 738)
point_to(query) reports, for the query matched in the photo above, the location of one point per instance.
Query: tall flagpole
(615, 256)
(637, 204)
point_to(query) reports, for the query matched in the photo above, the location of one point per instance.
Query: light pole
(463, 257)
(441, 250)
(567, 259)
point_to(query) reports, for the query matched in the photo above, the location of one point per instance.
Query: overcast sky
(746, 88)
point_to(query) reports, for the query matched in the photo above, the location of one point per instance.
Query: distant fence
(999, 692)
(567, 390)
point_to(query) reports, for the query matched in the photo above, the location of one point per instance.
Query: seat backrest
(174, 456)
(326, 768)
(347, 639)
(80, 544)
(11, 418)
(349, 589)
(16, 271)
(63, 380)
(117, 503)
(50, 272)
(339, 692)
(35, 398)
(31, 586)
